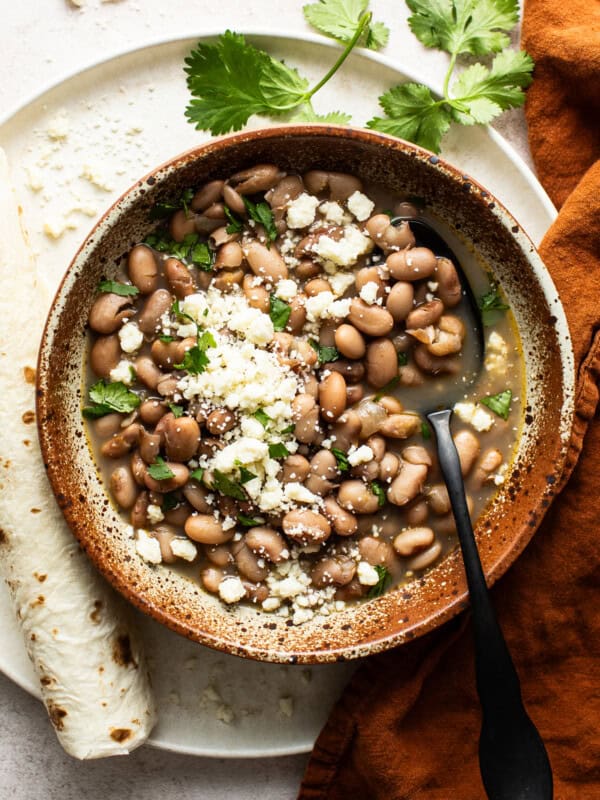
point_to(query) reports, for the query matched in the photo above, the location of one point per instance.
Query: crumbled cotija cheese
(301, 211)
(154, 514)
(184, 548)
(286, 289)
(367, 575)
(361, 455)
(496, 359)
(231, 589)
(360, 205)
(333, 212)
(299, 493)
(346, 251)
(325, 306)
(340, 282)
(474, 415)
(123, 372)
(131, 338)
(368, 293)
(147, 547)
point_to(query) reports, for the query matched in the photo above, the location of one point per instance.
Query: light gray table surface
(43, 41)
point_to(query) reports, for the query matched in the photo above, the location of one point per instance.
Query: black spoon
(513, 761)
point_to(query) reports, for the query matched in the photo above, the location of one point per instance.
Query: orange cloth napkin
(407, 726)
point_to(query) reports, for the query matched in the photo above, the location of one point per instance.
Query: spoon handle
(510, 749)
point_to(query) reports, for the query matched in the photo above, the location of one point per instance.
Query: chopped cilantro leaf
(170, 500)
(234, 225)
(246, 475)
(195, 359)
(324, 352)
(165, 209)
(248, 522)
(402, 359)
(114, 287)
(382, 584)
(499, 403)
(177, 410)
(342, 459)
(489, 303)
(425, 431)
(197, 474)
(278, 450)
(279, 311)
(289, 429)
(109, 397)
(262, 417)
(166, 339)
(190, 251)
(261, 213)
(379, 492)
(160, 470)
(227, 487)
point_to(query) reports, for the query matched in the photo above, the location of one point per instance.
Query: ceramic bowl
(506, 526)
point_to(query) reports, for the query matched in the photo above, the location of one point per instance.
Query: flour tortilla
(93, 677)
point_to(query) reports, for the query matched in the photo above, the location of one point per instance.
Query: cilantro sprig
(164, 209)
(115, 287)
(480, 93)
(339, 20)
(192, 250)
(382, 584)
(195, 359)
(490, 303)
(499, 403)
(325, 353)
(110, 397)
(160, 470)
(280, 312)
(261, 213)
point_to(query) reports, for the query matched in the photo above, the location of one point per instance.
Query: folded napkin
(407, 726)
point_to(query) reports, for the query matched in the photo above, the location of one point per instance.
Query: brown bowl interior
(502, 532)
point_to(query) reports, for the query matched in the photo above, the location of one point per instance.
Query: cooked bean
(211, 578)
(216, 211)
(332, 396)
(411, 541)
(346, 430)
(180, 477)
(371, 275)
(417, 513)
(266, 262)
(306, 527)
(387, 236)
(449, 289)
(467, 445)
(298, 316)
(210, 193)
(382, 362)
(139, 516)
(369, 471)
(179, 278)
(343, 522)
(354, 394)
(306, 354)
(107, 425)
(400, 426)
(109, 312)
(121, 443)
(260, 178)
(143, 269)
(376, 552)
(123, 487)
(166, 354)
(388, 467)
(295, 469)
(182, 435)
(323, 473)
(339, 185)
(407, 484)
(255, 592)
(352, 371)
(149, 446)
(307, 269)
(228, 279)
(446, 524)
(220, 421)
(151, 411)
(306, 417)
(182, 224)
(165, 534)
(438, 498)
(218, 238)
(488, 464)
(411, 265)
(391, 404)
(410, 375)
(155, 306)
(196, 497)
(425, 314)
(436, 365)
(372, 416)
(333, 570)
(356, 496)
(204, 528)
(247, 563)
(417, 454)
(425, 559)
(147, 371)
(138, 468)
(449, 335)
(316, 286)
(400, 300)
(372, 320)
(268, 543)
(234, 201)
(350, 342)
(377, 445)
(105, 354)
(286, 189)
(257, 296)
(219, 554)
(178, 515)
(229, 255)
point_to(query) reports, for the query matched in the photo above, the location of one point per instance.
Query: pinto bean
(400, 300)
(354, 394)
(417, 454)
(367, 472)
(286, 189)
(178, 515)
(257, 296)
(339, 185)
(323, 472)
(228, 279)
(260, 178)
(391, 404)
(296, 469)
(316, 286)
(449, 289)
(407, 484)
(352, 371)
(229, 255)
(376, 552)
(138, 468)
(123, 487)
(357, 497)
(220, 421)
(266, 262)
(182, 435)
(268, 543)
(388, 467)
(372, 320)
(138, 516)
(382, 362)
(211, 578)
(121, 443)
(204, 528)
(372, 416)
(371, 275)
(147, 371)
(180, 477)
(233, 200)
(343, 522)
(306, 527)
(467, 445)
(166, 354)
(417, 513)
(333, 570)
(247, 562)
(435, 365)
(410, 375)
(197, 497)
(182, 224)
(438, 499)
(332, 396)
(346, 430)
(307, 269)
(449, 336)
(400, 426)
(298, 316)
(155, 306)
(143, 269)
(151, 411)
(425, 559)
(488, 464)
(219, 554)
(377, 445)
(446, 524)
(387, 236)
(105, 354)
(350, 342)
(149, 446)
(109, 312)
(411, 541)
(179, 278)
(412, 265)
(108, 425)
(306, 354)
(306, 417)
(207, 195)
(425, 314)
(218, 238)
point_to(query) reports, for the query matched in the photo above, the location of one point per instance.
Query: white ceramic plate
(74, 149)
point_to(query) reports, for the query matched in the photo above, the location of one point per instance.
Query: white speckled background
(40, 43)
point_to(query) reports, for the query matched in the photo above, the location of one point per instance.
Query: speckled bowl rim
(67, 494)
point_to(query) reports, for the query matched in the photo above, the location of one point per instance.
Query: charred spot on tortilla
(95, 614)
(29, 374)
(45, 680)
(57, 715)
(120, 734)
(28, 417)
(35, 510)
(2, 536)
(39, 601)
(26, 442)
(122, 654)
(41, 577)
